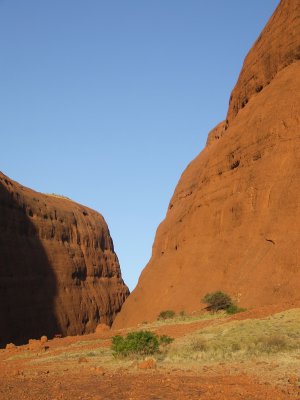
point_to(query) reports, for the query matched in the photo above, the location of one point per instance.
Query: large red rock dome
(233, 221)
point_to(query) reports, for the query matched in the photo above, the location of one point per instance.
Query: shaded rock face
(233, 221)
(59, 273)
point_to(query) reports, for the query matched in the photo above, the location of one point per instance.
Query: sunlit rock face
(233, 221)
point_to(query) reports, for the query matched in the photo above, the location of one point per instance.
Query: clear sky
(106, 102)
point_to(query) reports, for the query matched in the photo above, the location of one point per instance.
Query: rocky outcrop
(216, 133)
(59, 273)
(233, 221)
(276, 47)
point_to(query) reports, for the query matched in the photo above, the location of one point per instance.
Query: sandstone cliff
(233, 222)
(59, 273)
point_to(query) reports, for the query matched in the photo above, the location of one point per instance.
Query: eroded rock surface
(277, 46)
(59, 273)
(233, 221)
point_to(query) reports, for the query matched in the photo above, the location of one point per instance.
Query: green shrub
(234, 309)
(138, 343)
(166, 314)
(165, 340)
(217, 301)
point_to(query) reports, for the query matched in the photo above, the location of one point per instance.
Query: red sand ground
(22, 379)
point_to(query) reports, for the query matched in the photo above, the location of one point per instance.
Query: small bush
(234, 309)
(165, 340)
(217, 301)
(138, 343)
(166, 314)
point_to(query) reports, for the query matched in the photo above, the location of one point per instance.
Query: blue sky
(106, 102)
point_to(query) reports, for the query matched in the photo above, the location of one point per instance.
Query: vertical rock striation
(58, 269)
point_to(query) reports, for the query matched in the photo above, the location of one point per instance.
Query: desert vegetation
(212, 344)
(139, 343)
(273, 337)
(166, 314)
(219, 300)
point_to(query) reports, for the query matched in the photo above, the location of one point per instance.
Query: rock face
(59, 273)
(233, 222)
(276, 47)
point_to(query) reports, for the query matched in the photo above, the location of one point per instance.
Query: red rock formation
(233, 222)
(58, 269)
(276, 47)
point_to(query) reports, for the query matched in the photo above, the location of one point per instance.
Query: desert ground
(251, 355)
